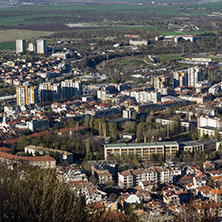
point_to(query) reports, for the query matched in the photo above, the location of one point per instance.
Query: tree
(113, 131)
(37, 195)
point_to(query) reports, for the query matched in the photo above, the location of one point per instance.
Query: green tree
(37, 195)
(113, 131)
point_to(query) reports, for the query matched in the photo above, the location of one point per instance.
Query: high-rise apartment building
(71, 88)
(26, 95)
(188, 77)
(180, 78)
(160, 82)
(20, 46)
(49, 92)
(41, 46)
(195, 74)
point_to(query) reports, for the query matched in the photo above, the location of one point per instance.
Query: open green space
(7, 45)
(13, 34)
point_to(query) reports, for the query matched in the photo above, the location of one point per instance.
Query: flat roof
(140, 144)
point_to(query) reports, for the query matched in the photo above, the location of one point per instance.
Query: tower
(41, 46)
(20, 46)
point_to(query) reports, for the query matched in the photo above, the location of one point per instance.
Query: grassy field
(7, 45)
(13, 34)
(27, 14)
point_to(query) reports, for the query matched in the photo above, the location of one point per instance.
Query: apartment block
(188, 77)
(160, 82)
(20, 46)
(41, 46)
(71, 88)
(49, 92)
(207, 125)
(142, 150)
(26, 95)
(132, 178)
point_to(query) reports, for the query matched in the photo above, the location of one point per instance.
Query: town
(129, 120)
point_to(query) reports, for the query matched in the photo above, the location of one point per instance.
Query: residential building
(35, 124)
(207, 125)
(195, 74)
(216, 195)
(160, 82)
(188, 77)
(32, 47)
(150, 176)
(26, 95)
(20, 46)
(170, 197)
(39, 161)
(63, 155)
(41, 46)
(145, 97)
(142, 150)
(49, 92)
(71, 88)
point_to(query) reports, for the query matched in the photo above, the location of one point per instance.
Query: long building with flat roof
(142, 150)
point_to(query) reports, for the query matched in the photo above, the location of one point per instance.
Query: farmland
(13, 34)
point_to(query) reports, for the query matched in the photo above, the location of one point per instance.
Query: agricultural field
(101, 13)
(13, 34)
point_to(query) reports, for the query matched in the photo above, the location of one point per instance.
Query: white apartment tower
(41, 46)
(71, 88)
(195, 74)
(20, 46)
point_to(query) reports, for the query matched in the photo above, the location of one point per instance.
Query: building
(32, 47)
(188, 77)
(180, 78)
(37, 124)
(20, 46)
(145, 97)
(39, 161)
(49, 92)
(151, 175)
(170, 197)
(216, 195)
(41, 46)
(160, 82)
(71, 88)
(138, 42)
(26, 95)
(195, 74)
(207, 125)
(63, 155)
(142, 150)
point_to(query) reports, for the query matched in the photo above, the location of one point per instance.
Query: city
(113, 124)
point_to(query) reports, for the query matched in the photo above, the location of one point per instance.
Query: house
(5, 150)
(216, 195)
(170, 197)
(204, 192)
(208, 166)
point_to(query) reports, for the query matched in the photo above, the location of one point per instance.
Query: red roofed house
(216, 195)
(169, 197)
(40, 161)
(5, 150)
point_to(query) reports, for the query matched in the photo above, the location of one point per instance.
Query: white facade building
(41, 46)
(20, 46)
